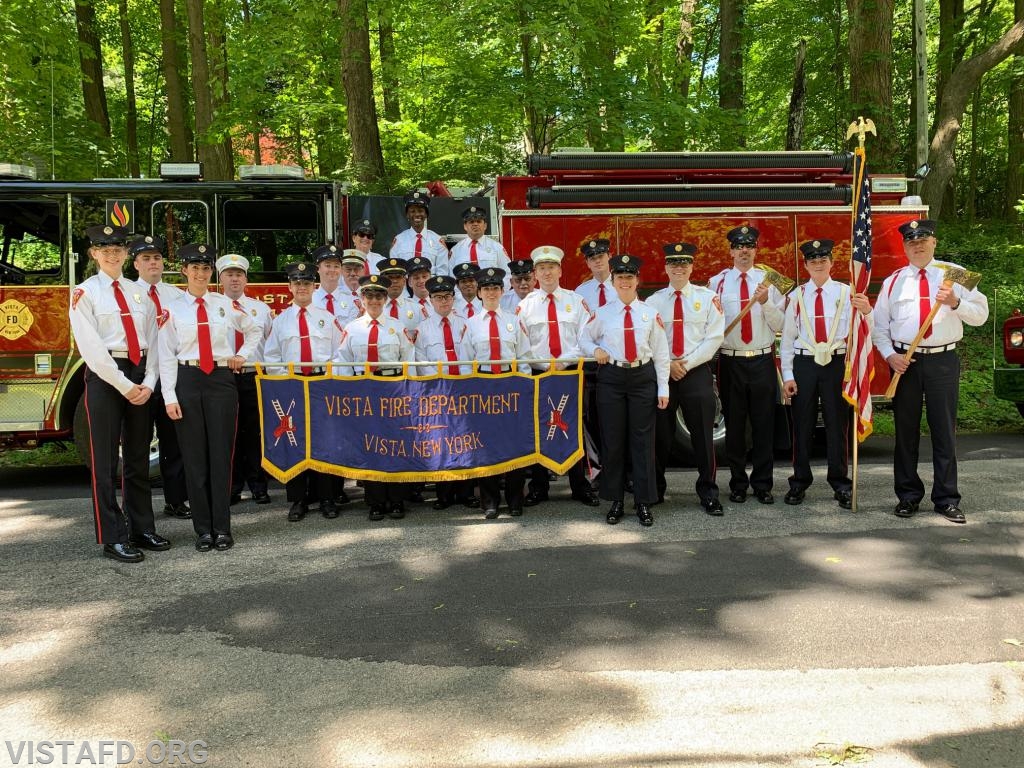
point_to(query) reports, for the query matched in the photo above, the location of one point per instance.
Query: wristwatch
(957, 305)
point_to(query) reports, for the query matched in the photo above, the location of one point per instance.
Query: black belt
(195, 363)
(627, 364)
(925, 350)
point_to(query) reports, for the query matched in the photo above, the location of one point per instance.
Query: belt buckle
(746, 353)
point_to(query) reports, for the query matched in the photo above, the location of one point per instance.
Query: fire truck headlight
(1017, 337)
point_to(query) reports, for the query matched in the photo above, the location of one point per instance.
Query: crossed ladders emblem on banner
(556, 422)
(286, 426)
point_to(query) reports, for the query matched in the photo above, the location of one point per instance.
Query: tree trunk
(950, 52)
(91, 59)
(216, 161)
(131, 117)
(217, 50)
(179, 123)
(964, 79)
(654, 26)
(795, 125)
(839, 121)
(971, 204)
(730, 73)
(871, 74)
(1015, 143)
(357, 75)
(682, 71)
(389, 85)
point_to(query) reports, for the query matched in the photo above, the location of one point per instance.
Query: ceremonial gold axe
(953, 274)
(782, 283)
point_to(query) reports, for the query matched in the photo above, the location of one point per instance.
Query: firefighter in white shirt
(694, 325)
(363, 234)
(353, 267)
(813, 359)
(523, 284)
(467, 302)
(399, 306)
(598, 290)
(114, 325)
(477, 249)
(933, 374)
(418, 240)
(747, 377)
(147, 253)
(198, 362)
(417, 274)
(247, 469)
(331, 294)
(628, 339)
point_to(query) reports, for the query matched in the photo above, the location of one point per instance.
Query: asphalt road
(774, 636)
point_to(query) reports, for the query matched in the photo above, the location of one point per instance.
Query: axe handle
(917, 340)
(743, 313)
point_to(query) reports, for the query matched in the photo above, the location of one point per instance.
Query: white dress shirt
(703, 321)
(285, 342)
(572, 313)
(394, 344)
(766, 319)
(606, 330)
(835, 298)
(430, 346)
(515, 344)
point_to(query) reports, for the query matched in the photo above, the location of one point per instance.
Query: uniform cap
(745, 235)
(624, 264)
(441, 284)
(369, 283)
(146, 243)
(301, 271)
(392, 266)
(417, 198)
(595, 247)
(104, 234)
(547, 254)
(364, 226)
(918, 228)
(679, 253)
(197, 253)
(816, 249)
(352, 256)
(232, 261)
(418, 264)
(327, 251)
(521, 266)
(474, 212)
(466, 271)
(490, 276)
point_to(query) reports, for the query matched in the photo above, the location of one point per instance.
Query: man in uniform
(522, 279)
(694, 325)
(476, 248)
(417, 240)
(147, 252)
(418, 271)
(398, 305)
(598, 290)
(747, 377)
(247, 466)
(467, 303)
(813, 358)
(353, 267)
(114, 325)
(932, 374)
(308, 334)
(554, 318)
(330, 294)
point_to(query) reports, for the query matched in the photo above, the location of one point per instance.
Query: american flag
(860, 361)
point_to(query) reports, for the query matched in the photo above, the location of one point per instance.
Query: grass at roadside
(49, 455)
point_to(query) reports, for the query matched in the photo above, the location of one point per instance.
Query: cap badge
(816, 243)
(108, 230)
(490, 272)
(201, 249)
(913, 225)
(149, 239)
(679, 248)
(301, 267)
(744, 230)
(625, 259)
(472, 209)
(366, 222)
(593, 244)
(393, 262)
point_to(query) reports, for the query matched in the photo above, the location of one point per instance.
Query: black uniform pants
(172, 470)
(694, 395)
(936, 380)
(825, 383)
(310, 486)
(628, 399)
(749, 388)
(376, 493)
(248, 469)
(209, 414)
(113, 422)
(490, 489)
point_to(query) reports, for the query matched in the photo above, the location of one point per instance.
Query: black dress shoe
(123, 553)
(615, 513)
(738, 497)
(415, 497)
(765, 497)
(794, 497)
(180, 511)
(297, 512)
(261, 497)
(643, 512)
(441, 504)
(204, 543)
(491, 513)
(236, 498)
(515, 512)
(342, 498)
(471, 502)
(951, 512)
(905, 509)
(223, 541)
(533, 498)
(397, 511)
(845, 499)
(587, 497)
(152, 541)
(712, 507)
(376, 512)
(328, 510)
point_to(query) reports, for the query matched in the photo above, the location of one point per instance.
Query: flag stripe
(860, 361)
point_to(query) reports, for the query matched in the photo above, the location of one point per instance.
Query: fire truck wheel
(682, 449)
(81, 430)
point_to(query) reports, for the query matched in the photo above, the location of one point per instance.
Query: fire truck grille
(23, 404)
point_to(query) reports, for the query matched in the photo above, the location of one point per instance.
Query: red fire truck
(271, 215)
(1008, 378)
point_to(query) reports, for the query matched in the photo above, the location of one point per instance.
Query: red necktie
(677, 327)
(394, 309)
(472, 253)
(239, 338)
(747, 324)
(469, 309)
(449, 346)
(329, 301)
(371, 345)
(601, 300)
(205, 345)
(155, 296)
(554, 339)
(628, 337)
(419, 245)
(305, 348)
(820, 334)
(131, 338)
(925, 302)
(495, 338)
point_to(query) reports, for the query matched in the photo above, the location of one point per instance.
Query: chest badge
(321, 323)
(391, 331)
(221, 311)
(696, 306)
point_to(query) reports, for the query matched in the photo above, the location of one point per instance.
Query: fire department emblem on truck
(17, 320)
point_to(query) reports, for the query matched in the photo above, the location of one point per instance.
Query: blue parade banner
(417, 429)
